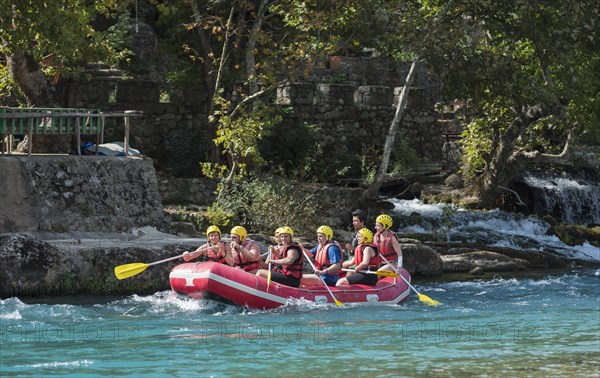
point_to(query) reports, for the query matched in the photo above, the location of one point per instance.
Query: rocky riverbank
(83, 263)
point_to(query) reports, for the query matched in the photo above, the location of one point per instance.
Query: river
(536, 326)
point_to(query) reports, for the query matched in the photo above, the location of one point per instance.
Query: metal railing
(59, 121)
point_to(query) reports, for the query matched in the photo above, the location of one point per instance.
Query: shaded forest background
(526, 74)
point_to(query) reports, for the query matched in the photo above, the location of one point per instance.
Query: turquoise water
(537, 327)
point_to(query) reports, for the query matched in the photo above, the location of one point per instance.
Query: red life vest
(385, 246)
(216, 255)
(322, 257)
(242, 261)
(374, 262)
(296, 267)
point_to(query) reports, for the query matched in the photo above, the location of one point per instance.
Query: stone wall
(71, 193)
(352, 105)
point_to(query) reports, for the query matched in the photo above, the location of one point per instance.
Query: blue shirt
(335, 256)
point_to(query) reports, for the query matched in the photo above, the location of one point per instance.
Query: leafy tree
(41, 38)
(529, 71)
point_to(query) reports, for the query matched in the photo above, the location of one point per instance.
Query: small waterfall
(565, 197)
(494, 228)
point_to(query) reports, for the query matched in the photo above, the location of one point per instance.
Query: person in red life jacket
(273, 250)
(366, 258)
(359, 218)
(287, 268)
(387, 242)
(246, 252)
(328, 259)
(215, 250)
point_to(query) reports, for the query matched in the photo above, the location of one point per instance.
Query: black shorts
(362, 278)
(286, 280)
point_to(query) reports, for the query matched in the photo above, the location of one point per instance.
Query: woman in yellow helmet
(214, 250)
(387, 242)
(366, 258)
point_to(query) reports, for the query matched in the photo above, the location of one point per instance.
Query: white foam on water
(498, 228)
(14, 315)
(60, 364)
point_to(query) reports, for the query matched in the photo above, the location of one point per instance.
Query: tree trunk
(251, 45)
(371, 193)
(27, 74)
(509, 161)
(205, 56)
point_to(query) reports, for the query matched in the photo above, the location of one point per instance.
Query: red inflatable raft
(219, 281)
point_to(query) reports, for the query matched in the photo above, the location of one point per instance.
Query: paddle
(337, 302)
(129, 270)
(269, 274)
(422, 297)
(383, 273)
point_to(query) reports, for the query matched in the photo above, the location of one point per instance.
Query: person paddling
(214, 250)
(328, 259)
(366, 258)
(287, 268)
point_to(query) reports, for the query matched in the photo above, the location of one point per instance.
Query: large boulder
(486, 260)
(421, 260)
(30, 267)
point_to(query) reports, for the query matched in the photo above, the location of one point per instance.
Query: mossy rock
(576, 234)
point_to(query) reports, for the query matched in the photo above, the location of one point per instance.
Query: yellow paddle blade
(128, 270)
(268, 279)
(387, 273)
(337, 303)
(425, 299)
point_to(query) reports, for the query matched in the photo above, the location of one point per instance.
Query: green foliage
(8, 88)
(219, 215)
(338, 78)
(292, 151)
(369, 165)
(297, 152)
(265, 203)
(339, 27)
(61, 28)
(505, 56)
(404, 158)
(120, 39)
(240, 136)
(478, 138)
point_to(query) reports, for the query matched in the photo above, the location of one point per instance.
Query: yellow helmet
(278, 231)
(327, 231)
(385, 220)
(287, 230)
(367, 236)
(239, 231)
(212, 229)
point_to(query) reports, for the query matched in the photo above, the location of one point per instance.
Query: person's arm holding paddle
(290, 258)
(188, 256)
